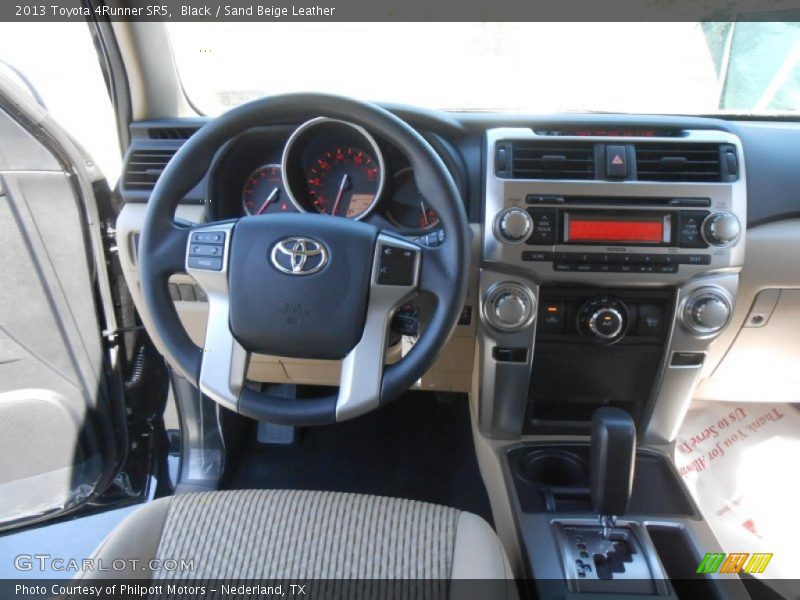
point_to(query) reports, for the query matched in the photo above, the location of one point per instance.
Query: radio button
(559, 266)
(695, 259)
(513, 225)
(722, 229)
(544, 226)
(668, 259)
(536, 256)
(690, 228)
(667, 269)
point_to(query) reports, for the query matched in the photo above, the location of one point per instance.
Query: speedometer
(343, 181)
(333, 167)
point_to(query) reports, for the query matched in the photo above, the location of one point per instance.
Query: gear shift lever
(612, 460)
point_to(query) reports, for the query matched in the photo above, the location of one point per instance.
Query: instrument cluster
(324, 166)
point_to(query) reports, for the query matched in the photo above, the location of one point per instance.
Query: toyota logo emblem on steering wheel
(299, 256)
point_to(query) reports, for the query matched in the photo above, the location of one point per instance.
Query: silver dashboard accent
(224, 365)
(367, 136)
(362, 369)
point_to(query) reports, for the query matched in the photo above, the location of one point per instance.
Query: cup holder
(555, 468)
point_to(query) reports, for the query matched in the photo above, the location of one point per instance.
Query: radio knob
(514, 225)
(509, 306)
(606, 323)
(722, 229)
(707, 311)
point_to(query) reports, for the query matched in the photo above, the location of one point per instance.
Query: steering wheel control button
(397, 266)
(205, 250)
(605, 319)
(205, 263)
(544, 226)
(208, 237)
(509, 306)
(707, 311)
(513, 225)
(690, 228)
(722, 229)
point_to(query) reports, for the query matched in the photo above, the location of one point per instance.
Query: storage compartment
(555, 478)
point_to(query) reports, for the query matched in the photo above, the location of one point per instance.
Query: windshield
(679, 68)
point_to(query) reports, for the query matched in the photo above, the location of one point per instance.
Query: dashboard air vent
(552, 160)
(144, 167)
(171, 133)
(678, 162)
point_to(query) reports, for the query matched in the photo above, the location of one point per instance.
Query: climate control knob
(603, 318)
(513, 225)
(606, 323)
(707, 311)
(722, 229)
(509, 306)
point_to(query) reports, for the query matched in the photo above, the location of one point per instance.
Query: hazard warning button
(616, 162)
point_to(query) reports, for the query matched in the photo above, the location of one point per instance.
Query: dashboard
(323, 166)
(627, 260)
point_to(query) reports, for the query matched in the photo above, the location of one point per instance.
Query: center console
(610, 263)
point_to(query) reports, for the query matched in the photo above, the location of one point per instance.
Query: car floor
(739, 461)
(419, 447)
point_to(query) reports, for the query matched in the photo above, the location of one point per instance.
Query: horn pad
(299, 284)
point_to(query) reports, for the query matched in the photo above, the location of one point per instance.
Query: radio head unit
(684, 221)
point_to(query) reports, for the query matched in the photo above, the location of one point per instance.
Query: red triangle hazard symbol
(617, 160)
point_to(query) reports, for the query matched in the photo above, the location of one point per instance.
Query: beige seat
(287, 534)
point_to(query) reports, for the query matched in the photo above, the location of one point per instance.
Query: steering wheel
(301, 285)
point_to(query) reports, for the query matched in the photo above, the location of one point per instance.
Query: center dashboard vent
(143, 168)
(551, 160)
(680, 162)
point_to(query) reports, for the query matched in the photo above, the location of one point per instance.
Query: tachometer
(263, 191)
(334, 168)
(408, 208)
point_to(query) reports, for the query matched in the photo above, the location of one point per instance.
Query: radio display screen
(608, 229)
